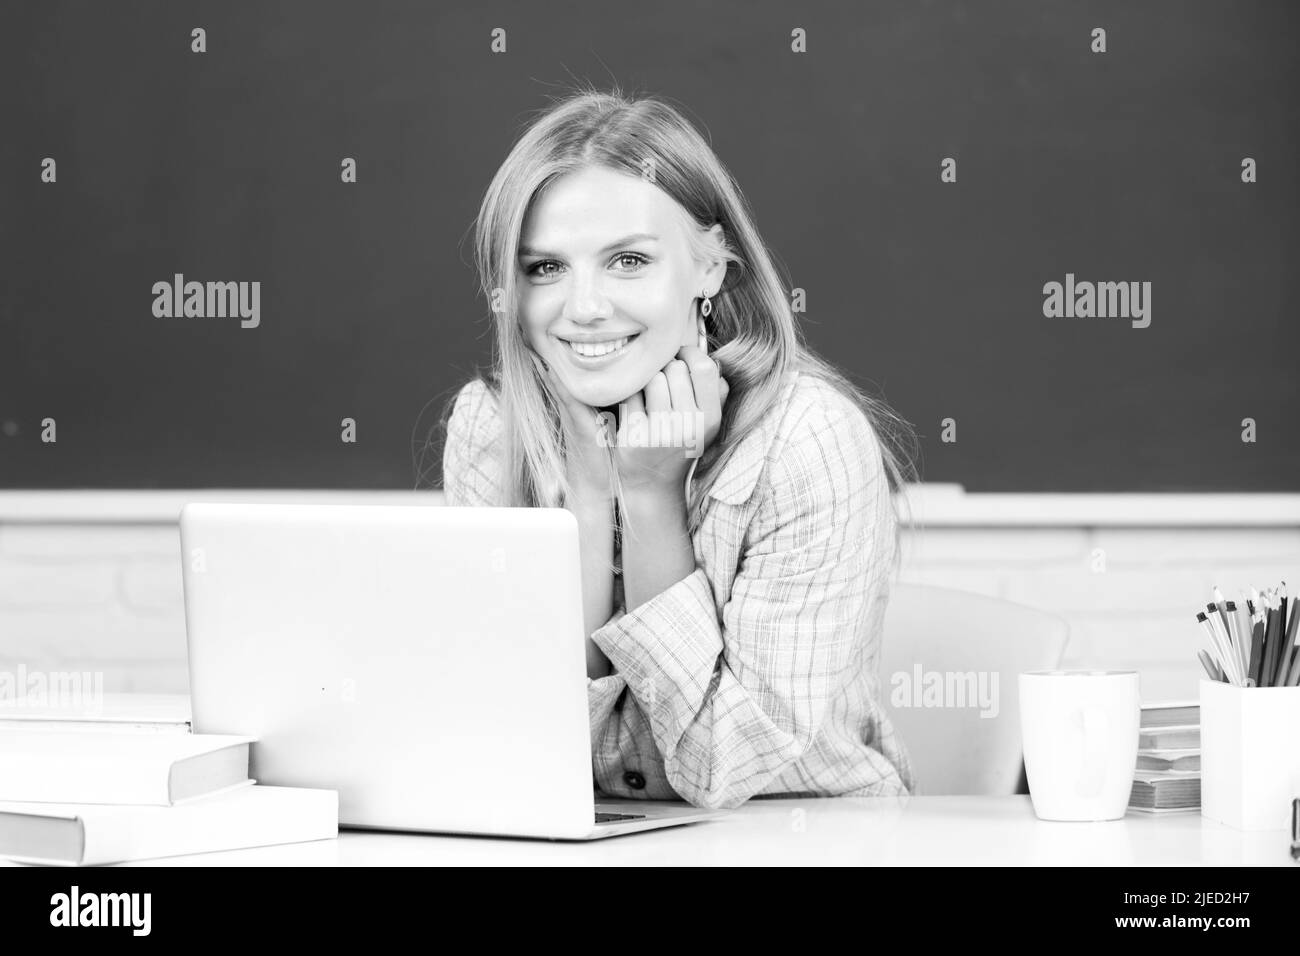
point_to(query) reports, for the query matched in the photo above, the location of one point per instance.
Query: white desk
(925, 831)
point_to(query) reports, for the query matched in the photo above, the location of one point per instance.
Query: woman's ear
(717, 268)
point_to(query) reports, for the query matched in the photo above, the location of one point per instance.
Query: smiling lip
(597, 339)
(588, 354)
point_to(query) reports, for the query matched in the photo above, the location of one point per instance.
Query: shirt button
(634, 780)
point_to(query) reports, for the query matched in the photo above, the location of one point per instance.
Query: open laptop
(426, 662)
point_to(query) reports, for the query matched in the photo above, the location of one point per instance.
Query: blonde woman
(734, 577)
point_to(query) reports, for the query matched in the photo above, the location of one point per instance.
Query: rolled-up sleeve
(730, 699)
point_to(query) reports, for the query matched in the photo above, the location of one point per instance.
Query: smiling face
(608, 283)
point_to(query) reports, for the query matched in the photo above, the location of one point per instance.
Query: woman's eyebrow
(626, 240)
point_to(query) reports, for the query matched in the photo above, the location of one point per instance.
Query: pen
(1241, 658)
(1223, 645)
(1211, 634)
(1221, 606)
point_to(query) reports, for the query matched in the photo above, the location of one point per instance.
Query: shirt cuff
(602, 694)
(666, 650)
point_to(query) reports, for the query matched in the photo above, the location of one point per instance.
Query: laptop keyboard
(617, 817)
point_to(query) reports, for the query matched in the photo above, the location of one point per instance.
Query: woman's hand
(680, 412)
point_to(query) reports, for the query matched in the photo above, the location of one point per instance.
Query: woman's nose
(586, 300)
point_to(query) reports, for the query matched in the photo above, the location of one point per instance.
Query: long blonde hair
(752, 331)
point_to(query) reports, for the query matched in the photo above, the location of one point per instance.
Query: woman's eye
(542, 269)
(637, 258)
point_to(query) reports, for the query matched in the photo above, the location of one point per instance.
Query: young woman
(733, 599)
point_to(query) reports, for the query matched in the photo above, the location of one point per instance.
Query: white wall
(1136, 614)
(81, 592)
(92, 597)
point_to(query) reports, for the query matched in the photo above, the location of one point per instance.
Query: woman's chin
(604, 396)
(606, 400)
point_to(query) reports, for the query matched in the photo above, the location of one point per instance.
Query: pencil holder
(1250, 754)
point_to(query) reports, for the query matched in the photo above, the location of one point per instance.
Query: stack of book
(1168, 774)
(81, 797)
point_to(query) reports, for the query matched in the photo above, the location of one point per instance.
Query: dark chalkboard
(225, 166)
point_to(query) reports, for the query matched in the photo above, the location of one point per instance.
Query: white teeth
(597, 349)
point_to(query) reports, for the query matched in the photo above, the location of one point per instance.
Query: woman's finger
(658, 396)
(705, 377)
(680, 387)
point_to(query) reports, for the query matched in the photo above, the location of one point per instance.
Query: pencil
(1227, 653)
(1221, 606)
(1266, 615)
(1293, 676)
(1283, 662)
(1208, 624)
(1272, 643)
(1289, 644)
(1256, 647)
(1243, 629)
(1208, 665)
(1283, 659)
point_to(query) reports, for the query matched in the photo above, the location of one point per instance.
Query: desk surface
(928, 831)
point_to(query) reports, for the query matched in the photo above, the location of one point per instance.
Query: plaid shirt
(757, 675)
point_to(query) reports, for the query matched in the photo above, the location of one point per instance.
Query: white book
(1170, 713)
(92, 834)
(1195, 809)
(1180, 761)
(121, 768)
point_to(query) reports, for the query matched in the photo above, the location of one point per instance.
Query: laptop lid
(426, 662)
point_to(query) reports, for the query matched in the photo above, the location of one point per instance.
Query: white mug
(1080, 735)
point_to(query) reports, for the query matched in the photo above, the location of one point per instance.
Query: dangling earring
(706, 308)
